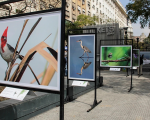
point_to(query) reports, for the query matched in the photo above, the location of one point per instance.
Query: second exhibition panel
(81, 57)
(116, 56)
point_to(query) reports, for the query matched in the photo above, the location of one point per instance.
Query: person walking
(141, 65)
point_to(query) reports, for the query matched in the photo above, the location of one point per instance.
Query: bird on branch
(7, 50)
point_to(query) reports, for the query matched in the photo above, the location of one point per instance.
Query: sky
(137, 31)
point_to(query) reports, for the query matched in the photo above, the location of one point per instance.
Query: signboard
(81, 56)
(80, 83)
(116, 56)
(14, 93)
(114, 69)
(38, 65)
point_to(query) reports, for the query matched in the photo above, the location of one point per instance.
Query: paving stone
(117, 103)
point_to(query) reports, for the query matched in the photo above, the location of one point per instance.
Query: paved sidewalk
(117, 102)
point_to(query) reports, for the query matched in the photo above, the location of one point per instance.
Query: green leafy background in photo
(118, 53)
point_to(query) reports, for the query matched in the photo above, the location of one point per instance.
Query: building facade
(107, 11)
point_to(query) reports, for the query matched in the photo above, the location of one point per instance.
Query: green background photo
(136, 57)
(117, 54)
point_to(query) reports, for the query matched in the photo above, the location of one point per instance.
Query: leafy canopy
(82, 20)
(139, 9)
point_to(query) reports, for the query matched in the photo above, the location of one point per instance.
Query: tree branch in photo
(116, 60)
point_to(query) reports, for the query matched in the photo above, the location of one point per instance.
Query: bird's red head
(4, 39)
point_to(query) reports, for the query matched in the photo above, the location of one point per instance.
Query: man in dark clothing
(141, 65)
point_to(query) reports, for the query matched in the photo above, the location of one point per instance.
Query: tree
(83, 20)
(139, 9)
(70, 25)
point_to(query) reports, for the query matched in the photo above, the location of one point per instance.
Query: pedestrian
(141, 65)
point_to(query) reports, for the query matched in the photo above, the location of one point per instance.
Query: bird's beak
(77, 41)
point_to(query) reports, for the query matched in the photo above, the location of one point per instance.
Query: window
(93, 7)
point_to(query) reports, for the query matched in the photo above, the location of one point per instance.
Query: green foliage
(139, 9)
(70, 25)
(118, 53)
(82, 20)
(146, 42)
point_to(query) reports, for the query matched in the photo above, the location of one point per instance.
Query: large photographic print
(136, 57)
(81, 56)
(116, 56)
(35, 39)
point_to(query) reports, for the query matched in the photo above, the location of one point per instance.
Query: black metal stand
(95, 103)
(131, 82)
(127, 73)
(131, 69)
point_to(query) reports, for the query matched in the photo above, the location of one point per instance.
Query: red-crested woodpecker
(7, 50)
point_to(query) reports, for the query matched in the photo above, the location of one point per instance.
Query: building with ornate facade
(107, 11)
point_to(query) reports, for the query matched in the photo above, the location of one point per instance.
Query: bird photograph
(136, 57)
(81, 57)
(7, 51)
(23, 34)
(85, 66)
(116, 56)
(85, 49)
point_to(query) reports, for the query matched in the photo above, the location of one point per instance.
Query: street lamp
(125, 28)
(137, 42)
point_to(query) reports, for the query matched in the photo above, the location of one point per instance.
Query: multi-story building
(75, 8)
(107, 11)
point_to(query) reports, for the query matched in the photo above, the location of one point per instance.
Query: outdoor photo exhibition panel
(136, 57)
(81, 57)
(146, 58)
(116, 56)
(38, 65)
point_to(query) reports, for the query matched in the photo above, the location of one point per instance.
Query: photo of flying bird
(7, 50)
(86, 50)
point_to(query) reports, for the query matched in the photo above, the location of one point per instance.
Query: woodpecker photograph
(81, 57)
(136, 57)
(29, 50)
(116, 56)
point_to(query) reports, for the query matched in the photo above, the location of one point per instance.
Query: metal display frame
(131, 55)
(62, 37)
(95, 103)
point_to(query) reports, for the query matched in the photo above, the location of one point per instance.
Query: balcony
(67, 13)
